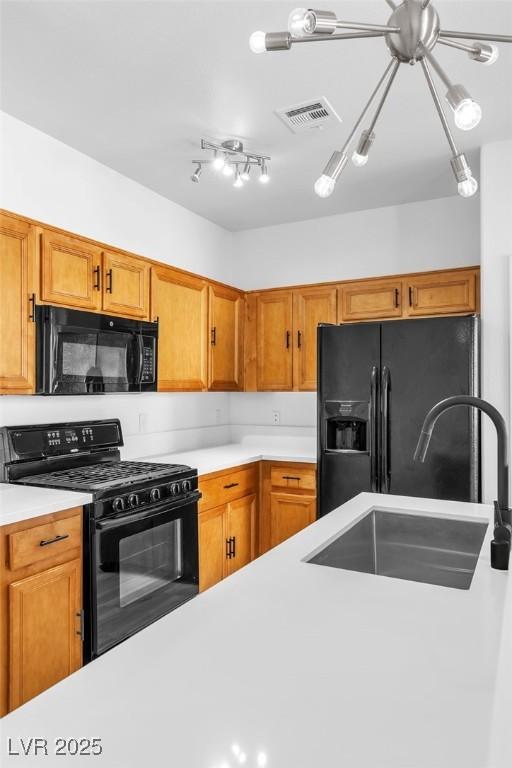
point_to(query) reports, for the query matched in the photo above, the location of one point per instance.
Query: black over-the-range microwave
(84, 353)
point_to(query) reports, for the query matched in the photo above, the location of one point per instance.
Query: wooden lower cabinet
(227, 522)
(44, 630)
(40, 605)
(287, 501)
(289, 514)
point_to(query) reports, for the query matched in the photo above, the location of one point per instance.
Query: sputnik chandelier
(413, 30)
(232, 161)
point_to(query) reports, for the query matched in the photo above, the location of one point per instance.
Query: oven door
(143, 565)
(87, 353)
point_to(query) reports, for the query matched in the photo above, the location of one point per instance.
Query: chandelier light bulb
(485, 54)
(324, 186)
(218, 161)
(467, 115)
(468, 188)
(238, 183)
(227, 169)
(300, 22)
(359, 160)
(257, 42)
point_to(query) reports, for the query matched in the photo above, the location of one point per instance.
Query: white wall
(496, 248)
(47, 180)
(408, 238)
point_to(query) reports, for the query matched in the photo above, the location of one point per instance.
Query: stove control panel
(171, 491)
(37, 442)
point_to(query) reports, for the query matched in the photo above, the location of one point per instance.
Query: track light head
(197, 173)
(227, 169)
(467, 184)
(467, 113)
(218, 160)
(264, 175)
(485, 54)
(238, 183)
(319, 22)
(246, 171)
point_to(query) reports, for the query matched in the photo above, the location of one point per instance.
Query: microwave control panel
(148, 363)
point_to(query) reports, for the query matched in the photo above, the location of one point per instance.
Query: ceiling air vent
(309, 114)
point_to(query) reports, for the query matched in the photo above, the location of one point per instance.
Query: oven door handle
(134, 517)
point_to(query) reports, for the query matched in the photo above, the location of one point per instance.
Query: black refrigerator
(376, 382)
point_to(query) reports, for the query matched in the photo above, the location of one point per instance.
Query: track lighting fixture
(411, 33)
(232, 160)
(197, 173)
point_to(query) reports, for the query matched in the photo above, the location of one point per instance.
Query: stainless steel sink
(434, 550)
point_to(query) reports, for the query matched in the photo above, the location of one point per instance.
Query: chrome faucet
(500, 545)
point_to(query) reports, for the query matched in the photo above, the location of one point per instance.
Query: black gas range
(140, 530)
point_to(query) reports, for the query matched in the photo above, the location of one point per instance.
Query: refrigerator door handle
(374, 453)
(385, 463)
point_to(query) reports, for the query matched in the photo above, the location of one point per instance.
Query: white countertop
(22, 502)
(317, 667)
(251, 448)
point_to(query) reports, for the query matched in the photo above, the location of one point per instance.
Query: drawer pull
(45, 542)
(290, 477)
(231, 485)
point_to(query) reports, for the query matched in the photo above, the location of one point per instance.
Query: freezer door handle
(374, 454)
(385, 462)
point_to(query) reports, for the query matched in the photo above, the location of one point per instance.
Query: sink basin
(434, 550)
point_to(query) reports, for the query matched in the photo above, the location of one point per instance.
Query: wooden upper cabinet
(125, 285)
(274, 340)
(70, 272)
(180, 302)
(240, 527)
(18, 278)
(370, 300)
(44, 630)
(442, 293)
(225, 363)
(312, 306)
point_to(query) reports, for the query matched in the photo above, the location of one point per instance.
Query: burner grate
(109, 472)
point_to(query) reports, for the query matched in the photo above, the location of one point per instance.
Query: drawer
(225, 488)
(44, 541)
(291, 478)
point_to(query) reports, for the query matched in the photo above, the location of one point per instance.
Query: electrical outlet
(276, 417)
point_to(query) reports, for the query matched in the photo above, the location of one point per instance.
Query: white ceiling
(136, 84)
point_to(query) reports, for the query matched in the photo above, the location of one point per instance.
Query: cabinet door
(274, 341)
(240, 526)
(371, 299)
(44, 630)
(311, 307)
(212, 547)
(181, 304)
(125, 285)
(226, 339)
(70, 271)
(442, 294)
(17, 329)
(289, 513)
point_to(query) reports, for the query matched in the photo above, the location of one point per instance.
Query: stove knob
(155, 494)
(118, 504)
(175, 489)
(133, 500)
(187, 486)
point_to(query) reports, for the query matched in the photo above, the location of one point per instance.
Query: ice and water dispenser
(347, 426)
